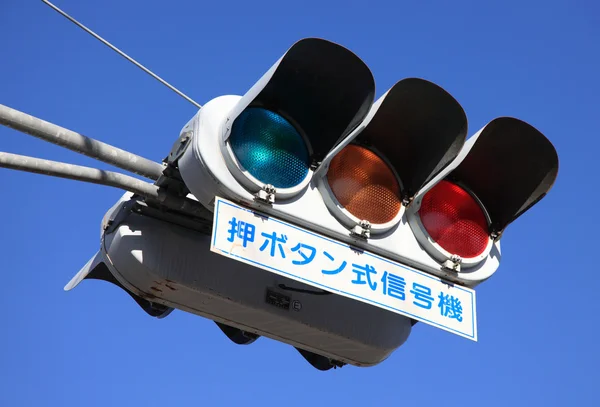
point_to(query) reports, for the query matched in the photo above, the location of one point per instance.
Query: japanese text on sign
(305, 256)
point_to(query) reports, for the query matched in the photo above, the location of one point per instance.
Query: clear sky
(537, 316)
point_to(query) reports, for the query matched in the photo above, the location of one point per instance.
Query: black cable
(302, 290)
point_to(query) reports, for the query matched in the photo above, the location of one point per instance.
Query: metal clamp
(453, 263)
(363, 229)
(266, 194)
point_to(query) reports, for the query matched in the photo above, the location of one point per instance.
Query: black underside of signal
(313, 77)
(510, 168)
(101, 272)
(236, 335)
(420, 128)
(320, 362)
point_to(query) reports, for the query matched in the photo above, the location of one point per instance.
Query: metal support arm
(109, 178)
(81, 144)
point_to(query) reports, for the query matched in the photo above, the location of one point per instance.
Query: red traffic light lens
(364, 185)
(454, 220)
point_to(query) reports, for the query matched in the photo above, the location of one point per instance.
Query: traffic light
(396, 178)
(361, 173)
(381, 212)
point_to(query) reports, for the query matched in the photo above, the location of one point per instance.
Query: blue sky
(93, 346)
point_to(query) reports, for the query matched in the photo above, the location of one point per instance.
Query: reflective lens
(270, 148)
(364, 185)
(454, 220)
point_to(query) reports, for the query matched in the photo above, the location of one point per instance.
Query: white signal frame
(203, 169)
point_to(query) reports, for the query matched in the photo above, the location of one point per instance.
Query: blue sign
(288, 250)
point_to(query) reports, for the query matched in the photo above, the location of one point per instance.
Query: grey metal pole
(109, 178)
(52, 133)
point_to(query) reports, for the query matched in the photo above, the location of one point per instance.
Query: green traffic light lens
(269, 148)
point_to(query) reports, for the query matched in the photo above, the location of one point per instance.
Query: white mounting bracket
(363, 229)
(266, 194)
(453, 263)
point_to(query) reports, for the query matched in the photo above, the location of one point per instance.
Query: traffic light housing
(362, 169)
(308, 144)
(394, 181)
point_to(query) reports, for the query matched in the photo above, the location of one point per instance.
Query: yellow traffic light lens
(364, 185)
